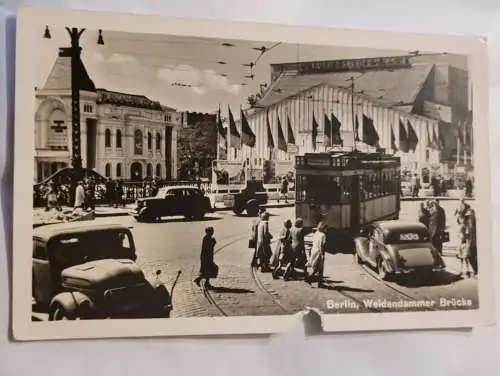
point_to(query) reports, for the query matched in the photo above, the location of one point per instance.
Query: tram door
(355, 203)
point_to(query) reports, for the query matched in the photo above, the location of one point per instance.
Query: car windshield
(407, 236)
(75, 249)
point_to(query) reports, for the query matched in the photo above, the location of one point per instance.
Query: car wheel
(60, 314)
(238, 211)
(199, 216)
(252, 210)
(382, 271)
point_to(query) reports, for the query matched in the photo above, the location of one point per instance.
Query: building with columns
(419, 106)
(123, 136)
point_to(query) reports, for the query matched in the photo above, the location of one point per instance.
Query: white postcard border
(29, 31)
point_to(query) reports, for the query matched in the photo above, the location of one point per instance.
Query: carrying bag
(252, 243)
(213, 271)
(446, 237)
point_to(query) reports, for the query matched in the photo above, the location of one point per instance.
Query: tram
(346, 189)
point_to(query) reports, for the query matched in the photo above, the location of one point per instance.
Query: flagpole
(218, 135)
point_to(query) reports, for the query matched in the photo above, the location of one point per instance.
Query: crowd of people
(439, 185)
(433, 216)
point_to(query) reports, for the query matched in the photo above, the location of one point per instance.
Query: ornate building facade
(123, 136)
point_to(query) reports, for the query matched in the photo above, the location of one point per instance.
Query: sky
(152, 65)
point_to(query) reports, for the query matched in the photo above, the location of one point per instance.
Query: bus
(346, 189)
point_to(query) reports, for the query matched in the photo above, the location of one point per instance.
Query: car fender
(389, 258)
(361, 245)
(74, 303)
(252, 201)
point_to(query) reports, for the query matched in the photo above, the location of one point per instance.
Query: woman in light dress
(316, 256)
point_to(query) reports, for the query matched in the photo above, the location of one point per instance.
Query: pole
(355, 130)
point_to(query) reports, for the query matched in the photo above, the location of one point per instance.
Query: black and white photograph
(210, 177)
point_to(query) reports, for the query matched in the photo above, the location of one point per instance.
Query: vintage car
(85, 270)
(189, 202)
(249, 199)
(396, 248)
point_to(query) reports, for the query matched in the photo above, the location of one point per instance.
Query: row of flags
(408, 139)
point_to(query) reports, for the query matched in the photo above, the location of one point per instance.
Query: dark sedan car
(187, 201)
(395, 248)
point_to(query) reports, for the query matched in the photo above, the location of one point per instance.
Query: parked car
(249, 199)
(395, 248)
(188, 201)
(85, 270)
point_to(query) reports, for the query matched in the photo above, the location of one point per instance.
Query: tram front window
(323, 190)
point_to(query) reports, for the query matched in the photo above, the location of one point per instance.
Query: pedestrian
(264, 243)
(283, 189)
(298, 247)
(464, 252)
(79, 196)
(437, 225)
(283, 253)
(208, 268)
(423, 214)
(252, 241)
(470, 234)
(316, 259)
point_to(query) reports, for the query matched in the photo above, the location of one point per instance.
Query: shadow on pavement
(229, 290)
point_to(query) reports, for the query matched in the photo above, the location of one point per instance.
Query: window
(107, 138)
(158, 170)
(158, 141)
(108, 170)
(150, 141)
(118, 139)
(149, 170)
(168, 117)
(118, 170)
(138, 142)
(88, 108)
(39, 251)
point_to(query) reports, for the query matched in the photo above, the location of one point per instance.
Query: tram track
(260, 285)
(371, 273)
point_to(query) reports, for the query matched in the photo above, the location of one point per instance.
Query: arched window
(118, 138)
(138, 142)
(158, 141)
(119, 170)
(107, 138)
(108, 170)
(158, 170)
(150, 141)
(149, 170)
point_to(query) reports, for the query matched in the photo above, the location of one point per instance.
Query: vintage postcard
(195, 177)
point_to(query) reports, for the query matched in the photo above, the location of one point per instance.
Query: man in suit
(437, 225)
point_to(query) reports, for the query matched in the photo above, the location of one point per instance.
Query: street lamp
(75, 52)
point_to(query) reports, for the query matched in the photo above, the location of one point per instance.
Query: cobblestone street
(174, 244)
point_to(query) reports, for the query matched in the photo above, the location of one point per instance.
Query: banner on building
(275, 171)
(228, 172)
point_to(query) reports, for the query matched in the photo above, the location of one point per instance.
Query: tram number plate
(408, 237)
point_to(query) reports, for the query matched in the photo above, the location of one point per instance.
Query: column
(173, 155)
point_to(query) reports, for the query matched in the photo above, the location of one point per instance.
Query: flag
(328, 129)
(336, 138)
(432, 142)
(221, 131)
(291, 137)
(315, 127)
(270, 141)
(281, 137)
(247, 136)
(393, 141)
(412, 137)
(370, 135)
(403, 138)
(234, 135)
